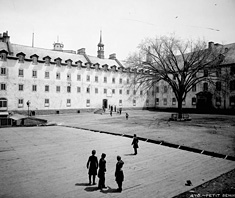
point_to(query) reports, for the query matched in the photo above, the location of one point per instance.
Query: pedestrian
(119, 173)
(92, 165)
(127, 115)
(111, 108)
(101, 172)
(111, 113)
(135, 143)
(115, 108)
(120, 111)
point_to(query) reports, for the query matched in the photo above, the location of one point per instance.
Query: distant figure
(120, 111)
(111, 108)
(119, 173)
(127, 115)
(111, 113)
(104, 109)
(101, 172)
(92, 165)
(115, 108)
(135, 144)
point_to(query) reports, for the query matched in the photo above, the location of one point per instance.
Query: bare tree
(181, 64)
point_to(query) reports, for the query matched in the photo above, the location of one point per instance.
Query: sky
(124, 23)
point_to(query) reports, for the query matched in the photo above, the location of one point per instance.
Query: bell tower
(100, 52)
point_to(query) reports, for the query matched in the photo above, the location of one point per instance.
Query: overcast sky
(124, 23)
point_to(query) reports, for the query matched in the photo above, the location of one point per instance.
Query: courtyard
(50, 161)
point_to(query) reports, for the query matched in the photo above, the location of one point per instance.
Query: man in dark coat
(135, 144)
(101, 172)
(119, 173)
(92, 165)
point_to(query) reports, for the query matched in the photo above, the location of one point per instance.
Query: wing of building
(59, 81)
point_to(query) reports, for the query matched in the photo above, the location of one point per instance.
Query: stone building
(58, 80)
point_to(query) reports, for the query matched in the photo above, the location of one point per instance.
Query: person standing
(135, 144)
(101, 172)
(127, 116)
(119, 173)
(92, 165)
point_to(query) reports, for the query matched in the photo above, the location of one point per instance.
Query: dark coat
(135, 142)
(92, 164)
(119, 172)
(102, 168)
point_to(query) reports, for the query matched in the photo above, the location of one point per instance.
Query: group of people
(93, 166)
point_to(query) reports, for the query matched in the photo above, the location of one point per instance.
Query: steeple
(100, 48)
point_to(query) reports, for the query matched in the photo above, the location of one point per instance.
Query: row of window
(58, 76)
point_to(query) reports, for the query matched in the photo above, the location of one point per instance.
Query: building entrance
(105, 103)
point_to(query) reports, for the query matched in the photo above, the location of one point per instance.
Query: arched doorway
(105, 103)
(204, 101)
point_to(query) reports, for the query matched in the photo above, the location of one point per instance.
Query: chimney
(211, 45)
(81, 51)
(112, 56)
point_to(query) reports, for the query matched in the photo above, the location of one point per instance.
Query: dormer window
(3, 55)
(21, 57)
(58, 61)
(69, 62)
(105, 67)
(79, 64)
(88, 66)
(34, 59)
(96, 66)
(47, 60)
(113, 68)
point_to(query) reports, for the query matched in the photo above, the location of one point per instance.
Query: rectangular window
(134, 92)
(194, 88)
(34, 74)
(113, 91)
(78, 77)
(183, 103)
(120, 91)
(128, 92)
(113, 80)
(157, 101)
(232, 101)
(134, 102)
(147, 102)
(232, 70)
(21, 73)
(47, 74)
(88, 90)
(88, 102)
(58, 76)
(157, 89)
(96, 90)
(47, 103)
(194, 101)
(78, 89)
(96, 79)
(21, 87)
(205, 86)
(141, 92)
(232, 85)
(218, 72)
(34, 87)
(206, 73)
(68, 89)
(20, 103)
(218, 101)
(173, 101)
(127, 81)
(165, 101)
(105, 79)
(3, 71)
(88, 78)
(69, 77)
(120, 102)
(165, 89)
(3, 87)
(47, 88)
(3, 103)
(120, 81)
(105, 91)
(218, 86)
(68, 102)
(57, 88)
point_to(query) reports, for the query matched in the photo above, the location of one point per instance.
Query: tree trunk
(180, 111)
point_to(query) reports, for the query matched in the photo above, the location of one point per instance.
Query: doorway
(105, 103)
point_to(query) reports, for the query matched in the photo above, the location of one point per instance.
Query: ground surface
(51, 161)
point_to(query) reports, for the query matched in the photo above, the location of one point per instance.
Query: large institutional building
(57, 81)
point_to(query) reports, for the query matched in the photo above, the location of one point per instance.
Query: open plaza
(50, 161)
